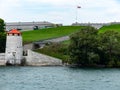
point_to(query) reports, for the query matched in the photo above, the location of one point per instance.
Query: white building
(14, 49)
(28, 25)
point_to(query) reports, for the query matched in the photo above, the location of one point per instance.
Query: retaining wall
(2, 59)
(37, 59)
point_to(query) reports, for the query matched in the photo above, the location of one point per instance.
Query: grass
(66, 42)
(115, 27)
(35, 35)
(58, 50)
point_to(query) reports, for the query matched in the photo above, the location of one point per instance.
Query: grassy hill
(35, 35)
(115, 27)
(61, 50)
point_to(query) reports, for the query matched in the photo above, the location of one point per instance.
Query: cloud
(60, 11)
(100, 11)
(54, 2)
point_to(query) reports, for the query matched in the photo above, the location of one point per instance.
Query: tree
(2, 42)
(2, 36)
(109, 44)
(83, 47)
(2, 25)
(88, 48)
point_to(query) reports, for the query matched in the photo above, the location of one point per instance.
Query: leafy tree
(2, 25)
(83, 47)
(88, 48)
(110, 46)
(2, 36)
(2, 42)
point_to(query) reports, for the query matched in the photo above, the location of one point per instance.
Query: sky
(60, 11)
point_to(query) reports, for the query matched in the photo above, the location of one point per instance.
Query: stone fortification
(14, 48)
(2, 59)
(37, 59)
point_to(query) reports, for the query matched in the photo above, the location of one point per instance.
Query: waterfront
(58, 78)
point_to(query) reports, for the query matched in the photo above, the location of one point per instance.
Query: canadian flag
(78, 6)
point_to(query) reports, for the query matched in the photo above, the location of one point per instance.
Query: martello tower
(14, 48)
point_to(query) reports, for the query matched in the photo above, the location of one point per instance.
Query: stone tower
(14, 48)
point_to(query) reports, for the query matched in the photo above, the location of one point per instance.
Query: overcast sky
(60, 11)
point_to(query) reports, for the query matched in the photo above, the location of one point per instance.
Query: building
(95, 25)
(14, 48)
(28, 25)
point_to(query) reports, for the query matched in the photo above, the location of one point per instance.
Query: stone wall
(2, 59)
(37, 59)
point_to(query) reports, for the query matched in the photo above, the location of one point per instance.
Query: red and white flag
(78, 6)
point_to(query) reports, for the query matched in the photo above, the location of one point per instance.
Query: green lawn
(35, 35)
(115, 27)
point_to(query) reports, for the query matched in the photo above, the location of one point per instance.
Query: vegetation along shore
(87, 47)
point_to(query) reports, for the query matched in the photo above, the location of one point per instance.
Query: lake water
(58, 78)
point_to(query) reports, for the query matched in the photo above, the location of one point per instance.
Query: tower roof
(14, 31)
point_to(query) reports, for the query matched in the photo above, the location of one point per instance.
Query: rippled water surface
(58, 78)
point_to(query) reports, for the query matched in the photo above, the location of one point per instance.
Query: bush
(2, 42)
(2, 24)
(88, 48)
(110, 46)
(2, 36)
(83, 46)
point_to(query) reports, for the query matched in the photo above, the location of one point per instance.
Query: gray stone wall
(14, 49)
(37, 59)
(2, 59)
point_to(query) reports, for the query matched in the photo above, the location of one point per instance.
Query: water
(58, 78)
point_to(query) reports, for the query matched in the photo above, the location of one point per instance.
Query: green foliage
(66, 42)
(2, 24)
(88, 48)
(35, 35)
(2, 36)
(115, 27)
(110, 45)
(2, 42)
(83, 47)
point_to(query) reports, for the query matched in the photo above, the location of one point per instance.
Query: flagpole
(76, 15)
(78, 7)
